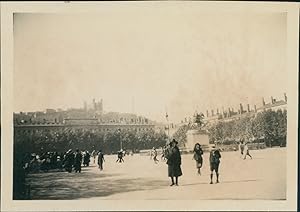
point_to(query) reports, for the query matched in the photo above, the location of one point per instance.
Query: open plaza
(139, 178)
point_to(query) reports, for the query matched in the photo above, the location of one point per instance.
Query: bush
(268, 126)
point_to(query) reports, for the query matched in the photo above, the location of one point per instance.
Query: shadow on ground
(70, 186)
(205, 183)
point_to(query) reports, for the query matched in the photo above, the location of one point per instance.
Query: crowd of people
(59, 161)
(67, 161)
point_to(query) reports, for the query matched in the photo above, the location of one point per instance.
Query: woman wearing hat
(198, 152)
(174, 162)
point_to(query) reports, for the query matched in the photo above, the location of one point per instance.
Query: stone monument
(197, 136)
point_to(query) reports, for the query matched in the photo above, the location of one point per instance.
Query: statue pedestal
(197, 136)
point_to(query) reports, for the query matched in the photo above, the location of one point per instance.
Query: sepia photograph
(150, 101)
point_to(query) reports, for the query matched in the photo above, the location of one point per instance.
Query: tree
(180, 134)
(269, 125)
(282, 129)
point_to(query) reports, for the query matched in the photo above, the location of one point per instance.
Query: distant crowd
(58, 161)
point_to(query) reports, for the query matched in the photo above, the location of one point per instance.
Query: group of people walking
(121, 154)
(214, 160)
(74, 160)
(33, 162)
(174, 161)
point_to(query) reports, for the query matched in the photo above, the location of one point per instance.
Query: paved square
(264, 177)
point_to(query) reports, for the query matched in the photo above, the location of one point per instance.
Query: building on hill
(90, 114)
(98, 107)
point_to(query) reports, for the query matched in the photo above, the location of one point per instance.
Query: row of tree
(268, 126)
(109, 142)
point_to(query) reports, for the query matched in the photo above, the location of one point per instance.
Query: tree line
(109, 142)
(268, 126)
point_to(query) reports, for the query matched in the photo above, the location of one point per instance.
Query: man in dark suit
(100, 160)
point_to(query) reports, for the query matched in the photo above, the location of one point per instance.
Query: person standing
(198, 152)
(163, 153)
(100, 160)
(155, 155)
(120, 157)
(77, 161)
(174, 162)
(214, 159)
(151, 154)
(246, 150)
(242, 147)
(94, 154)
(59, 163)
(86, 158)
(69, 160)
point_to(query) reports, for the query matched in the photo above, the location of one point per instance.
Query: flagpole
(168, 126)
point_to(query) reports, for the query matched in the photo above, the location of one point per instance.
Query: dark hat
(174, 141)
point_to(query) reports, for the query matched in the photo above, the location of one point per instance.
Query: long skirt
(174, 171)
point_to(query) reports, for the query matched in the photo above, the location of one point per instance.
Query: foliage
(180, 134)
(268, 125)
(84, 139)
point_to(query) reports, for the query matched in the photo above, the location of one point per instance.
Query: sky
(148, 61)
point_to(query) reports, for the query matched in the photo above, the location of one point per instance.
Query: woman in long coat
(174, 162)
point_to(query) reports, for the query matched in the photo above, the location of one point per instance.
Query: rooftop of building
(275, 104)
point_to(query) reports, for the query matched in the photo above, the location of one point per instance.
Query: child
(214, 160)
